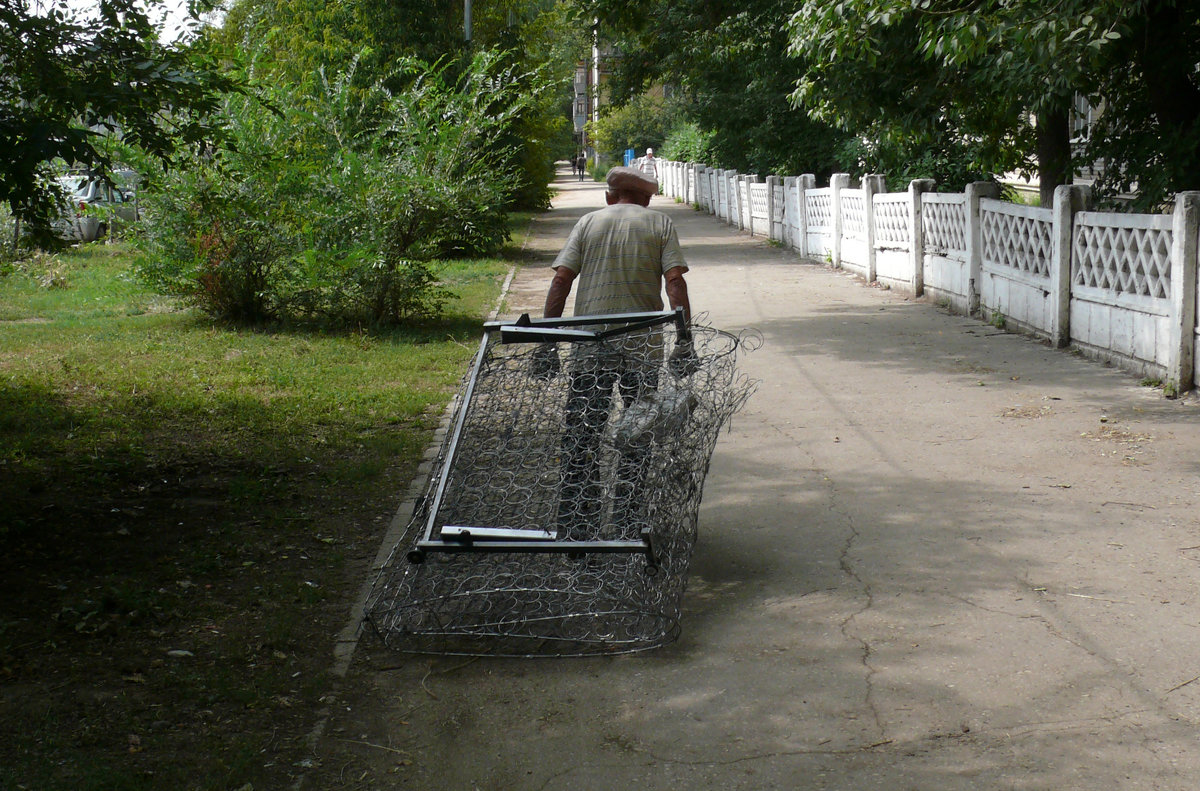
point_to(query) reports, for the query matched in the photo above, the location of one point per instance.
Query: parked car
(93, 205)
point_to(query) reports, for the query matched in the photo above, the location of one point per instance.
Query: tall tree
(728, 61)
(1002, 75)
(66, 82)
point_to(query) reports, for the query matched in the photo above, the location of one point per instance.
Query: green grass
(171, 484)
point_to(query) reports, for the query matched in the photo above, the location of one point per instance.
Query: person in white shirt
(649, 164)
(624, 256)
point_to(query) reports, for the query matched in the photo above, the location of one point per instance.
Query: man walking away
(622, 256)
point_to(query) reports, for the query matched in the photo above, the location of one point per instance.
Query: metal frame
(479, 538)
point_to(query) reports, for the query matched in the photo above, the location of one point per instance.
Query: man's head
(627, 185)
(649, 152)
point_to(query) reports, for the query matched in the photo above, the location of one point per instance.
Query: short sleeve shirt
(620, 254)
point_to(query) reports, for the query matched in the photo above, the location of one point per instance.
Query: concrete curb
(347, 639)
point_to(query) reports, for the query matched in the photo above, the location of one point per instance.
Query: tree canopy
(1000, 77)
(66, 83)
(726, 62)
(951, 89)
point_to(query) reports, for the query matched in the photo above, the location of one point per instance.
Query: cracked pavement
(932, 555)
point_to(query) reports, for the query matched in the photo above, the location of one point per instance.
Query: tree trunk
(1054, 151)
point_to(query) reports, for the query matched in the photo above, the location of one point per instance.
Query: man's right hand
(683, 361)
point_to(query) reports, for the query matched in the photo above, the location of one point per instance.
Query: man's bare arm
(677, 291)
(560, 289)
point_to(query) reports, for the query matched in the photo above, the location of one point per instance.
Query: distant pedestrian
(581, 165)
(649, 164)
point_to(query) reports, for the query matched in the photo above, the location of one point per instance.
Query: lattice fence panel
(945, 226)
(818, 208)
(854, 215)
(611, 448)
(1126, 259)
(892, 216)
(758, 201)
(1017, 240)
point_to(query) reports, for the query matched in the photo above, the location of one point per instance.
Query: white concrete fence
(1119, 287)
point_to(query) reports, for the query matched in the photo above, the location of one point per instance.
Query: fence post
(975, 191)
(837, 183)
(786, 231)
(916, 232)
(723, 179)
(871, 184)
(743, 193)
(751, 180)
(729, 196)
(735, 217)
(772, 182)
(1068, 199)
(1184, 228)
(808, 181)
(742, 180)
(724, 173)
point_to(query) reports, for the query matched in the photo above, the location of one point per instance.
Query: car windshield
(73, 185)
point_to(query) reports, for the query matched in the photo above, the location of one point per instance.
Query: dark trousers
(587, 489)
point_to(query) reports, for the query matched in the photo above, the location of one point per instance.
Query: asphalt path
(932, 555)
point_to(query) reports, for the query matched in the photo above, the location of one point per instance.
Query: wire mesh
(589, 458)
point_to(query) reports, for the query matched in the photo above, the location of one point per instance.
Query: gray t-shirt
(620, 254)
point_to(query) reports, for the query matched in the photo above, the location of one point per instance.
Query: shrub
(687, 142)
(337, 204)
(640, 123)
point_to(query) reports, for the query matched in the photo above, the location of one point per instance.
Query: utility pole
(467, 20)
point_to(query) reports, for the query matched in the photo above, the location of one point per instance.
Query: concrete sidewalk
(932, 555)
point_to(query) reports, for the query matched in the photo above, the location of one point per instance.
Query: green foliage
(293, 41)
(873, 70)
(971, 76)
(70, 82)
(727, 65)
(640, 123)
(950, 163)
(8, 239)
(336, 204)
(687, 142)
